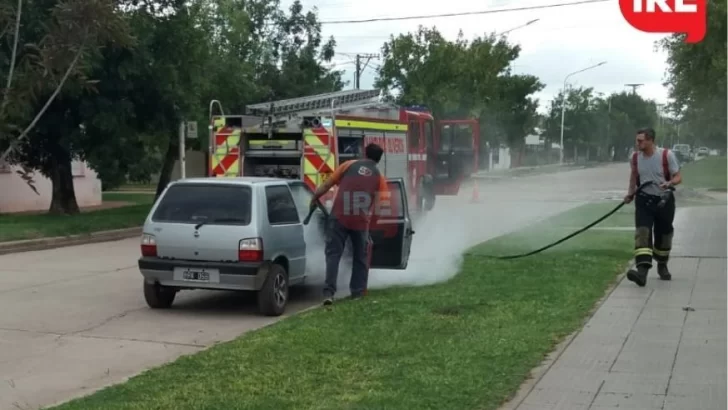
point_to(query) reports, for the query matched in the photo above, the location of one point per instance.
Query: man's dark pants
(336, 237)
(649, 219)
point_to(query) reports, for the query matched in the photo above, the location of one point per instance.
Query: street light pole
(563, 107)
(517, 27)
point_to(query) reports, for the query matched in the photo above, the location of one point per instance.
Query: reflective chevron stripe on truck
(225, 156)
(319, 159)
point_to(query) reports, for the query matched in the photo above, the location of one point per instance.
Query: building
(17, 196)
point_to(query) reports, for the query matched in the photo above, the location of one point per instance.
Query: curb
(540, 371)
(64, 241)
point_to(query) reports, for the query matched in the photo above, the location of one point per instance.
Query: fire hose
(664, 197)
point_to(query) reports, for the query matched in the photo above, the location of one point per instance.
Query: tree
(630, 112)
(59, 41)
(580, 120)
(697, 78)
(464, 79)
(594, 124)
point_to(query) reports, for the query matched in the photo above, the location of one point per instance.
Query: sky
(563, 40)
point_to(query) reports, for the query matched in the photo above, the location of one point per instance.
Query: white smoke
(445, 233)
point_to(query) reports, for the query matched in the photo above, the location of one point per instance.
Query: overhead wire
(466, 13)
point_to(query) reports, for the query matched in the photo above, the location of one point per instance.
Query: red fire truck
(307, 138)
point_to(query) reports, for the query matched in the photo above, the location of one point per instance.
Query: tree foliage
(697, 79)
(462, 78)
(594, 125)
(47, 43)
(146, 66)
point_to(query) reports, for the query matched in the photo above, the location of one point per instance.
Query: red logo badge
(667, 16)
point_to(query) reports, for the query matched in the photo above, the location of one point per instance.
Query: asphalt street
(73, 319)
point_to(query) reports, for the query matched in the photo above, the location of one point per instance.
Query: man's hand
(628, 198)
(666, 185)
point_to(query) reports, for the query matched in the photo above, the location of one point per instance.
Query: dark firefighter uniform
(360, 188)
(654, 212)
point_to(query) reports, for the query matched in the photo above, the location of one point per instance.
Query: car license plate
(196, 275)
(199, 275)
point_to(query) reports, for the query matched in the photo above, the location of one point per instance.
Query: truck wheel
(273, 296)
(427, 197)
(158, 296)
(429, 202)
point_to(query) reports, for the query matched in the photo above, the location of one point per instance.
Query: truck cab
(447, 149)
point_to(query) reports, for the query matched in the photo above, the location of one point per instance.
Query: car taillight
(250, 250)
(149, 245)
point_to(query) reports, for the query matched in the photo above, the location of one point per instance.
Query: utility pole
(360, 69)
(634, 87)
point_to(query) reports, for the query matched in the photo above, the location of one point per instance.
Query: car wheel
(158, 296)
(273, 296)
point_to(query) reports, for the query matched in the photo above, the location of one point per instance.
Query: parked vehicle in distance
(246, 234)
(702, 152)
(683, 152)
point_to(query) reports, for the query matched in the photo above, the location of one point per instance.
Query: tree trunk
(166, 173)
(63, 201)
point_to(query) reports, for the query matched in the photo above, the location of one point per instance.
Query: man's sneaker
(638, 276)
(356, 296)
(663, 271)
(328, 301)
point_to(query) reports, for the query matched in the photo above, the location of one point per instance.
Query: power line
(467, 13)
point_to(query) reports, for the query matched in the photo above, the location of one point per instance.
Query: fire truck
(307, 138)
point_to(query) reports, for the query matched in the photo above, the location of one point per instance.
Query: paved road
(661, 347)
(74, 319)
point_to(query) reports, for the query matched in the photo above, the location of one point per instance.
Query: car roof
(236, 180)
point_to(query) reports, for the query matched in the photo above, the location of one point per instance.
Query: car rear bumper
(224, 276)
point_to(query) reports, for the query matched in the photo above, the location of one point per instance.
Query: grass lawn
(137, 198)
(465, 344)
(136, 187)
(585, 215)
(32, 226)
(709, 173)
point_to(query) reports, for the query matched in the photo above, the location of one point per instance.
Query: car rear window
(195, 203)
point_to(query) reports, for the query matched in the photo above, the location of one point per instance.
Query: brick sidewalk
(658, 347)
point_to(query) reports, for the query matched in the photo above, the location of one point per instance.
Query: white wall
(16, 195)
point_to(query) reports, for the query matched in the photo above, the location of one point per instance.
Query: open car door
(316, 228)
(392, 235)
(456, 154)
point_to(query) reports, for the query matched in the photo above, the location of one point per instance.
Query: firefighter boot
(638, 276)
(663, 271)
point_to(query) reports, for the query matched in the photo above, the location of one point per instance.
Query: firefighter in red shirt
(362, 193)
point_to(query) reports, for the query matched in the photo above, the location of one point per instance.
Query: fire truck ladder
(313, 102)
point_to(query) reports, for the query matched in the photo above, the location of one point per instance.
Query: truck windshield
(205, 204)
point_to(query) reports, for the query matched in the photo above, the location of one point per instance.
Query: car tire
(273, 296)
(158, 296)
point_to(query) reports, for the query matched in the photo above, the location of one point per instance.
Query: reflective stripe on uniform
(659, 252)
(643, 252)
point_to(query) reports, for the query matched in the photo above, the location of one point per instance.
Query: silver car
(247, 234)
